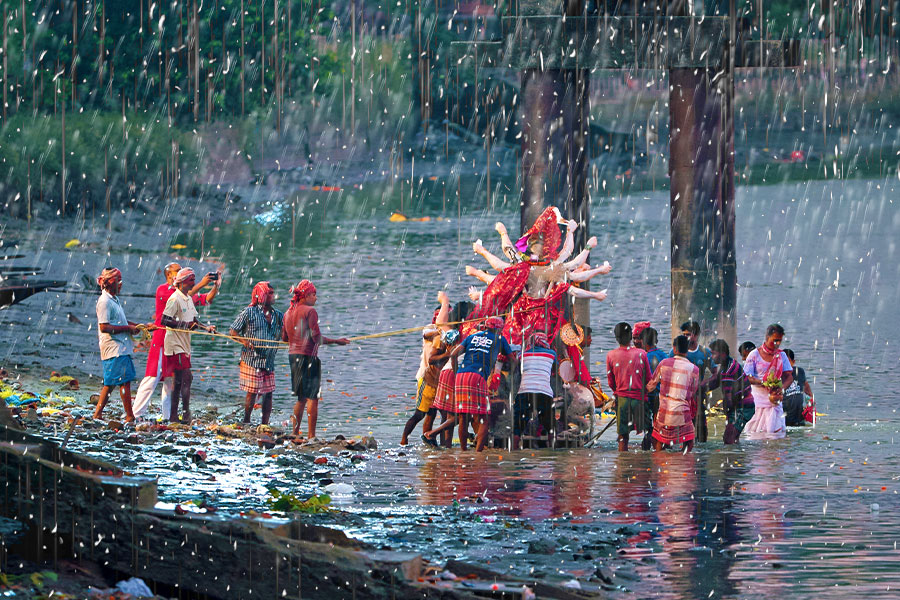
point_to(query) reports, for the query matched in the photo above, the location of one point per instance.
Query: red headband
(183, 275)
(540, 339)
(493, 323)
(639, 327)
(302, 290)
(108, 276)
(261, 291)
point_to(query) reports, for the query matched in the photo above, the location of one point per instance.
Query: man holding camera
(153, 373)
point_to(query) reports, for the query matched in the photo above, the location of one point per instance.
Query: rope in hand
(280, 344)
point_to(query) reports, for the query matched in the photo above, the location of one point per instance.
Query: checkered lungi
(472, 396)
(673, 434)
(443, 397)
(256, 381)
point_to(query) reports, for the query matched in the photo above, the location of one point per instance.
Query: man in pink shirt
(627, 372)
(301, 331)
(679, 380)
(153, 373)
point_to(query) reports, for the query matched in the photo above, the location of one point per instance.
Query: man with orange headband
(258, 327)
(153, 372)
(301, 331)
(181, 317)
(116, 346)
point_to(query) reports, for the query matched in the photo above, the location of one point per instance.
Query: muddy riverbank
(820, 505)
(216, 467)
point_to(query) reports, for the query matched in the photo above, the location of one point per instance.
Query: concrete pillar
(542, 101)
(555, 111)
(701, 169)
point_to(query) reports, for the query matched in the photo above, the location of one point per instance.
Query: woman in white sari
(764, 368)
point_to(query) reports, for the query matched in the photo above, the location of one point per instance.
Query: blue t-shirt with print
(481, 350)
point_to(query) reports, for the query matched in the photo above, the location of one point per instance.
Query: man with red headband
(115, 343)
(181, 317)
(301, 331)
(258, 327)
(153, 372)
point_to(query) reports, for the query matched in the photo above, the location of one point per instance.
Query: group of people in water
(259, 327)
(659, 394)
(514, 350)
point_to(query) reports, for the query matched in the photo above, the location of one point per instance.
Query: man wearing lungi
(678, 380)
(472, 396)
(258, 327)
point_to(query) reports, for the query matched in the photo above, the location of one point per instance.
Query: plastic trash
(136, 587)
(340, 489)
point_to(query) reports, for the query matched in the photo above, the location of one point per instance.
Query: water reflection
(814, 514)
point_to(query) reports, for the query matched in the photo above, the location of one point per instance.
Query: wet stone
(604, 574)
(542, 546)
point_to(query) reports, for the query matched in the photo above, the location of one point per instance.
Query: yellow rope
(370, 336)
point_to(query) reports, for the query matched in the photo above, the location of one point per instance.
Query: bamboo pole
(74, 53)
(195, 53)
(262, 62)
(242, 58)
(63, 170)
(103, 41)
(5, 65)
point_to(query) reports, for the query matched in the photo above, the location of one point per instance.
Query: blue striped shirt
(252, 323)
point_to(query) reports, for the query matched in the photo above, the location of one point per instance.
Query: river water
(814, 514)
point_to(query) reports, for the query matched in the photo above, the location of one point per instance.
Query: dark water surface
(815, 514)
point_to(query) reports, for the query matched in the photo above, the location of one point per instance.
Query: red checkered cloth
(673, 435)
(443, 399)
(472, 396)
(256, 381)
(679, 380)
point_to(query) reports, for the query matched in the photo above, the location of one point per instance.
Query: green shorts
(632, 415)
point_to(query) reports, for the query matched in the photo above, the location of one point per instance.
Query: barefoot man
(153, 373)
(180, 315)
(301, 331)
(115, 343)
(258, 327)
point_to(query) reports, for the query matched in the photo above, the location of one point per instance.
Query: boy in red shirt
(627, 372)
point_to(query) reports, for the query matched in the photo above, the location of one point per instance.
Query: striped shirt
(735, 387)
(252, 323)
(537, 365)
(679, 380)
